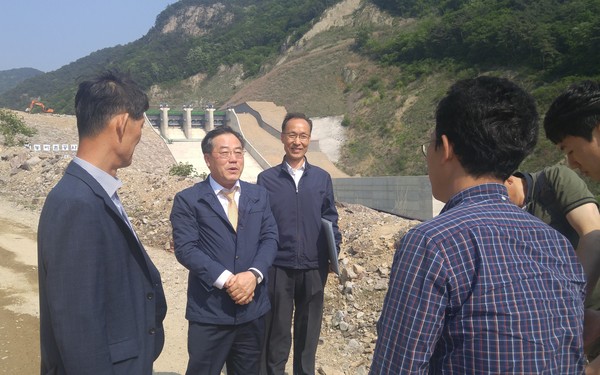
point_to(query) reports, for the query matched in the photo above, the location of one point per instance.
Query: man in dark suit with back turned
(101, 297)
(228, 252)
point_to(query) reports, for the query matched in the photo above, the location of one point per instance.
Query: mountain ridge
(348, 58)
(12, 77)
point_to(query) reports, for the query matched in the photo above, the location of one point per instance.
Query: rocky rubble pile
(352, 301)
(26, 179)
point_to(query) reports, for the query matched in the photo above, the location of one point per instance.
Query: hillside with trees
(190, 37)
(12, 77)
(383, 66)
(543, 45)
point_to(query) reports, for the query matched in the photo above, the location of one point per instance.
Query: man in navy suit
(101, 297)
(226, 236)
(301, 194)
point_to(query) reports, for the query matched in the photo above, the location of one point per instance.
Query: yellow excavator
(37, 103)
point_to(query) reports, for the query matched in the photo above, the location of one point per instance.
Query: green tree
(13, 128)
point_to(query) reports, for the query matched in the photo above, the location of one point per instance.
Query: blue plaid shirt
(483, 288)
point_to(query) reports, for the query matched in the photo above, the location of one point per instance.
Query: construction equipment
(37, 103)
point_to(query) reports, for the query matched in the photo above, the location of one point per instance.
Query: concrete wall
(176, 119)
(245, 108)
(407, 196)
(233, 121)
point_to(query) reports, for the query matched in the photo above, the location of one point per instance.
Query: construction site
(260, 125)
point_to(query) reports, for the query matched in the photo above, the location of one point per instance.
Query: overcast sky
(46, 35)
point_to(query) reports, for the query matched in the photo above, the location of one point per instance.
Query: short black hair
(207, 142)
(293, 115)
(108, 94)
(575, 112)
(491, 123)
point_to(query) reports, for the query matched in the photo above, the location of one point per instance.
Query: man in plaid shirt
(484, 287)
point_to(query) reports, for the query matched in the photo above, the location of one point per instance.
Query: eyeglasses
(424, 147)
(226, 154)
(294, 136)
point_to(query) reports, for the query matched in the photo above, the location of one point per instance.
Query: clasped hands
(240, 287)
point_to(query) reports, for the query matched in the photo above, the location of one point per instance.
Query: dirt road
(19, 323)
(19, 312)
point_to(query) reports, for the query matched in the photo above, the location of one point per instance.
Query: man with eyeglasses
(301, 195)
(226, 236)
(484, 287)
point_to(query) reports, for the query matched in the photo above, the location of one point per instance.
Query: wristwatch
(256, 274)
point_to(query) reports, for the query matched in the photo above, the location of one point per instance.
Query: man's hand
(240, 287)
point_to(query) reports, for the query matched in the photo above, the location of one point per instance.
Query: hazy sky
(46, 35)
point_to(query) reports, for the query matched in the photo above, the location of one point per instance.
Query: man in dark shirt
(573, 123)
(560, 198)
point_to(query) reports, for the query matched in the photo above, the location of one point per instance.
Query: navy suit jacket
(207, 245)
(101, 297)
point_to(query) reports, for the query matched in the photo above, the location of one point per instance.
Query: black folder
(333, 255)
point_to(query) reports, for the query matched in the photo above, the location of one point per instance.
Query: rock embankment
(353, 300)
